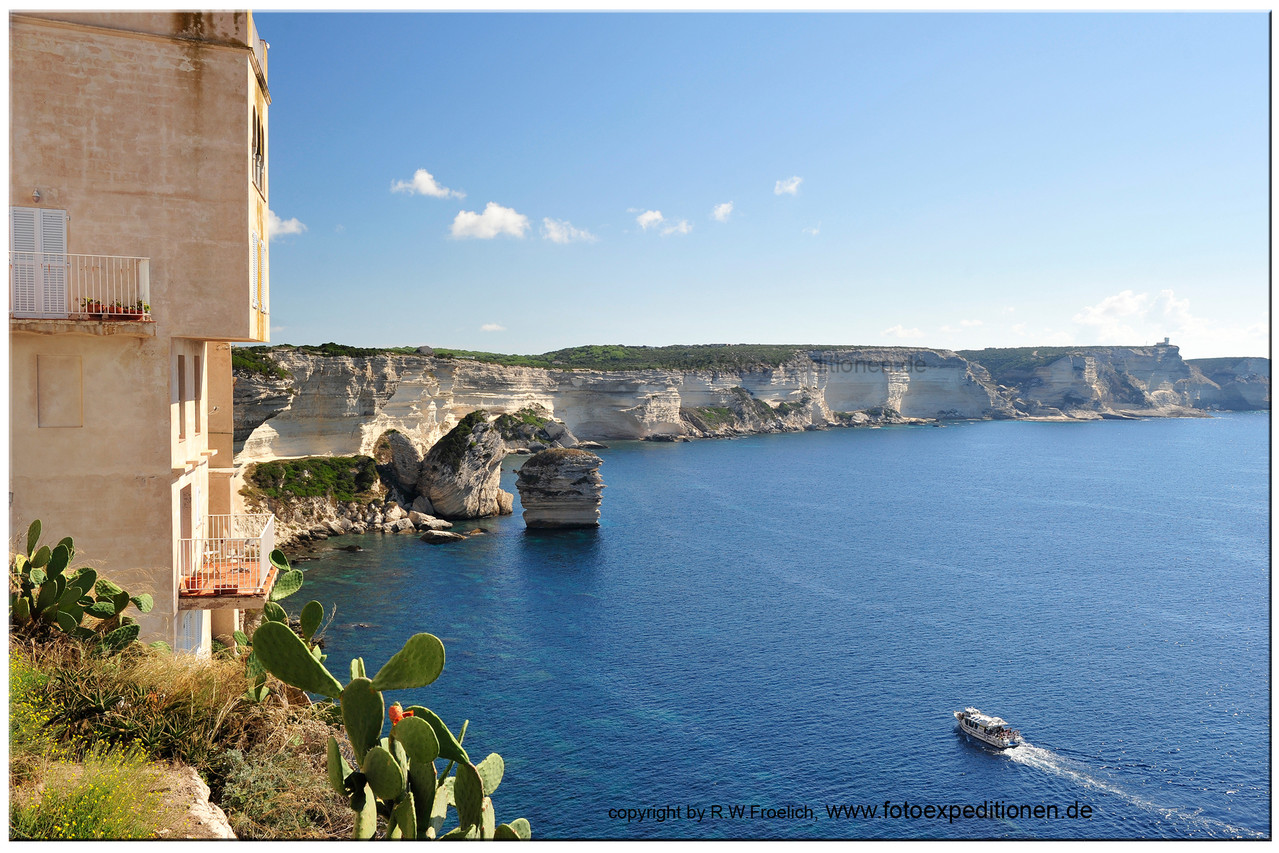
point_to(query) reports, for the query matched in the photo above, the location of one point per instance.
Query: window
(259, 153)
(199, 397)
(182, 396)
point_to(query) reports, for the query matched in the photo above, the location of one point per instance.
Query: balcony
(230, 566)
(94, 294)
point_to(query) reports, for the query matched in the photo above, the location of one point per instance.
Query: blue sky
(525, 182)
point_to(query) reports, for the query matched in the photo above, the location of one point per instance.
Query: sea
(767, 637)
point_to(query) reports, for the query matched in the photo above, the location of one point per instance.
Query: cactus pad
(384, 774)
(311, 617)
(450, 747)
(338, 768)
(362, 713)
(286, 584)
(404, 817)
(468, 791)
(288, 659)
(491, 770)
(416, 665)
(418, 739)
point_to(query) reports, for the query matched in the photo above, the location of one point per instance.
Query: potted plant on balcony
(91, 306)
(143, 308)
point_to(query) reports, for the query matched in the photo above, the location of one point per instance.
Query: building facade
(138, 193)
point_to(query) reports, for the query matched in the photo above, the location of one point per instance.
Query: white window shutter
(53, 244)
(264, 291)
(253, 271)
(23, 243)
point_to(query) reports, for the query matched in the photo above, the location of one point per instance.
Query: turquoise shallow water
(789, 621)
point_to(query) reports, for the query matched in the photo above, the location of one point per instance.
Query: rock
(536, 446)
(202, 819)
(403, 525)
(591, 445)
(404, 462)
(460, 474)
(557, 433)
(351, 548)
(561, 488)
(334, 528)
(439, 537)
(422, 505)
(358, 528)
(425, 350)
(428, 522)
(521, 451)
(394, 513)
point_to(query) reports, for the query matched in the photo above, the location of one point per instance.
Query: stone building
(138, 254)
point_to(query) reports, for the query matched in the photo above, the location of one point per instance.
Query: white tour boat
(987, 729)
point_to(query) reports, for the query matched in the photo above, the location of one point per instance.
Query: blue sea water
(790, 621)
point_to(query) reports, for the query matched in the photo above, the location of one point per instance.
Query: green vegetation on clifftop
(339, 477)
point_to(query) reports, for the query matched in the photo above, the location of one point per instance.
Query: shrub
(257, 360)
(341, 478)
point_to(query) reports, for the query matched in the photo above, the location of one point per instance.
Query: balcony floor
(225, 583)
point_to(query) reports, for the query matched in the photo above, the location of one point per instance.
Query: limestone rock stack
(561, 487)
(460, 474)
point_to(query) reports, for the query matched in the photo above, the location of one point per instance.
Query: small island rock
(561, 488)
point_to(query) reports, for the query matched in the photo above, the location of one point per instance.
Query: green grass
(728, 357)
(507, 424)
(87, 726)
(452, 447)
(342, 478)
(1010, 365)
(108, 796)
(715, 415)
(256, 360)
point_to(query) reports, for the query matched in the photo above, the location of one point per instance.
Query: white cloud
(492, 327)
(902, 332)
(814, 231)
(562, 231)
(424, 183)
(970, 323)
(1130, 318)
(790, 186)
(681, 227)
(722, 211)
(277, 227)
(1113, 316)
(649, 218)
(494, 221)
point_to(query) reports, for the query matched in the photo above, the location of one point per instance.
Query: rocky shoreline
(439, 427)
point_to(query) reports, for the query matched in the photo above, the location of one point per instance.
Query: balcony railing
(79, 287)
(232, 558)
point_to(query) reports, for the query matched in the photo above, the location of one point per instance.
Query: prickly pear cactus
(393, 775)
(46, 593)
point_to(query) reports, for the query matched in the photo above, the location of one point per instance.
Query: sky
(523, 182)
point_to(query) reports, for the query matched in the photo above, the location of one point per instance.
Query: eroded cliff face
(1133, 382)
(342, 405)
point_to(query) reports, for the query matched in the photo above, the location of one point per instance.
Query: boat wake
(1076, 772)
